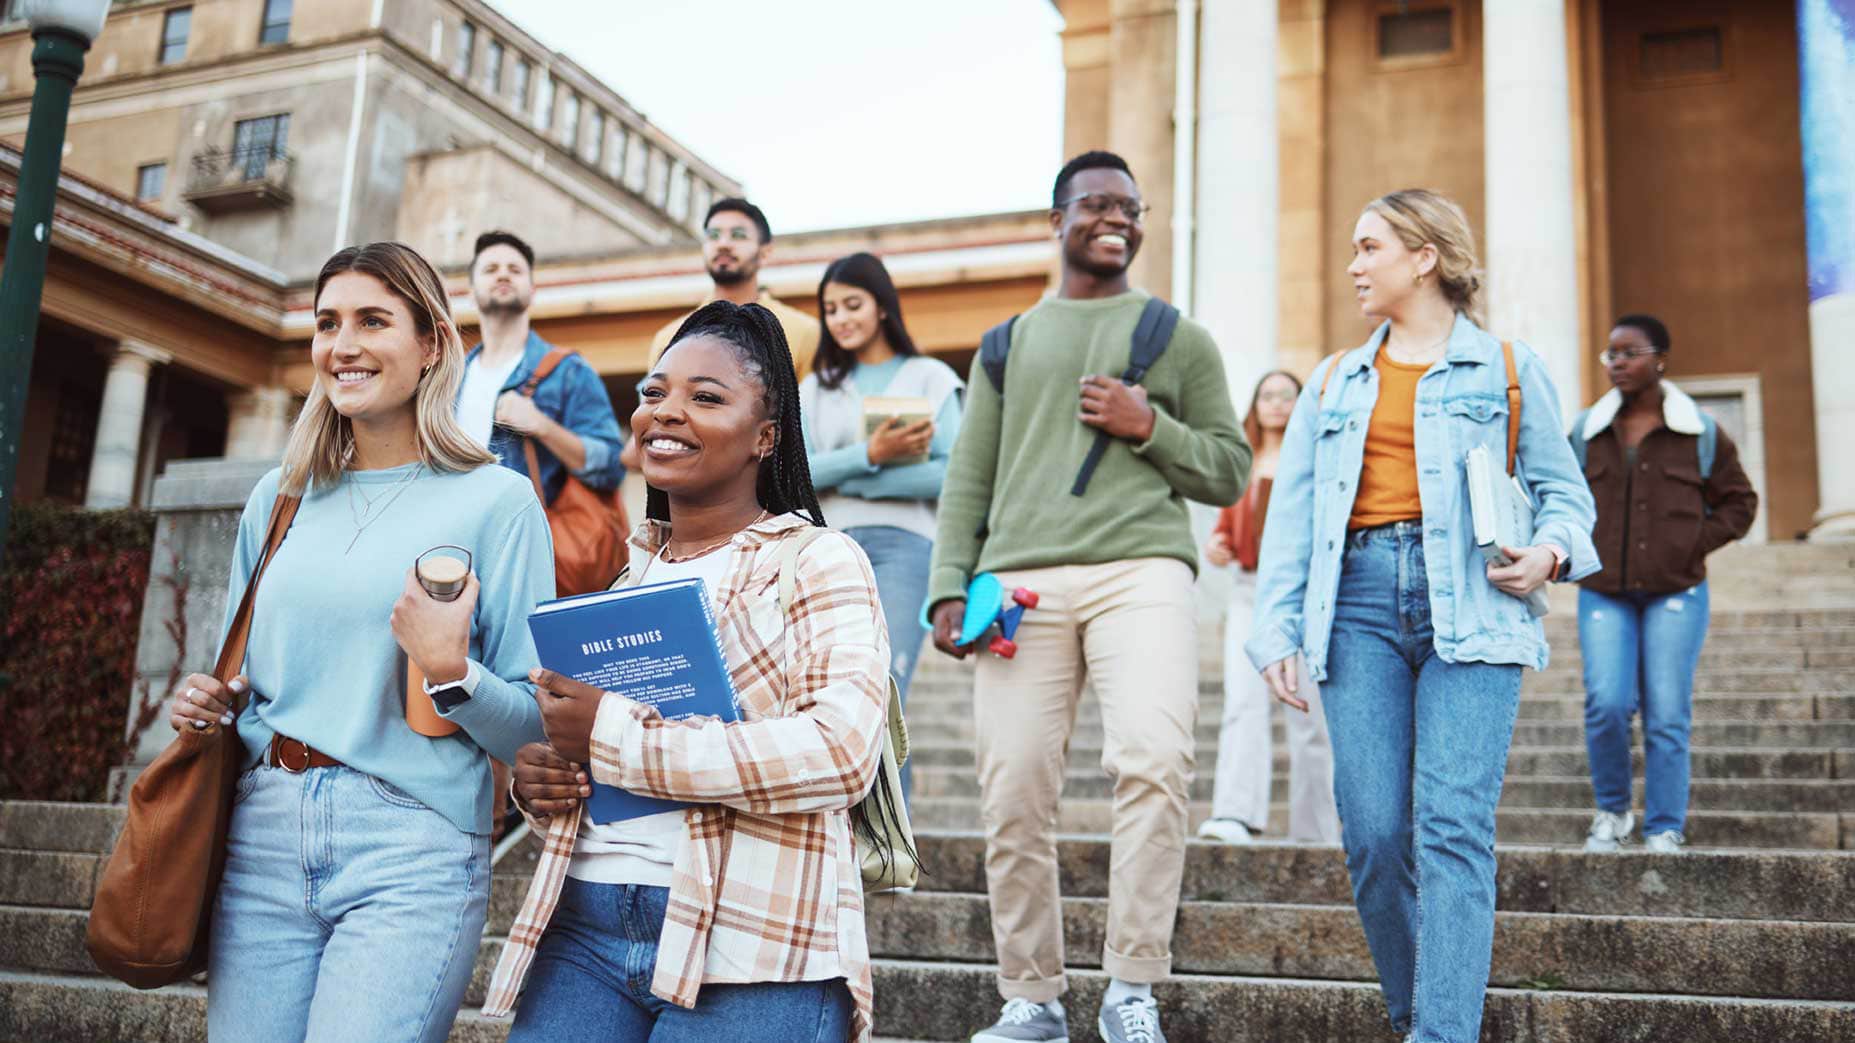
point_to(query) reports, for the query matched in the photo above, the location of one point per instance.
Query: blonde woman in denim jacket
(1369, 570)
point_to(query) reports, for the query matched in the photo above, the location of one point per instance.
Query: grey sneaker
(1025, 1022)
(1608, 831)
(1133, 1020)
(1668, 843)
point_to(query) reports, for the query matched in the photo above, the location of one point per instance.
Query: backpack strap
(1152, 334)
(545, 368)
(1513, 404)
(789, 550)
(1333, 364)
(993, 348)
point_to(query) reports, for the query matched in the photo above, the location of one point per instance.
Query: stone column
(1532, 252)
(1235, 258)
(1143, 51)
(118, 446)
(259, 423)
(1826, 59)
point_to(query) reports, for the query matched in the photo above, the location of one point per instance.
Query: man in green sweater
(1114, 568)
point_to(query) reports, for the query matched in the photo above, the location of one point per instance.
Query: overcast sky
(836, 113)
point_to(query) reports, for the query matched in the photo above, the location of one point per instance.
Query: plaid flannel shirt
(768, 886)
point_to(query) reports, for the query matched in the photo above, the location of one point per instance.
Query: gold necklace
(668, 559)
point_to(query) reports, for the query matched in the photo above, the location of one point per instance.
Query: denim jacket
(574, 397)
(1461, 403)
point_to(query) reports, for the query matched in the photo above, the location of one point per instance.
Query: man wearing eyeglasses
(1112, 559)
(736, 241)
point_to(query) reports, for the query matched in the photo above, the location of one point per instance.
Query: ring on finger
(196, 697)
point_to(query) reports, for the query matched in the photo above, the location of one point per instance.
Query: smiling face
(501, 282)
(1098, 236)
(368, 352)
(852, 315)
(701, 422)
(1632, 364)
(1384, 271)
(731, 248)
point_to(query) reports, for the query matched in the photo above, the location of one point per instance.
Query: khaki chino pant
(1130, 627)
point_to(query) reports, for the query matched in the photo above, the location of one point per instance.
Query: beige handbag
(891, 862)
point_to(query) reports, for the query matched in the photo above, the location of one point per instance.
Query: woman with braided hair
(741, 915)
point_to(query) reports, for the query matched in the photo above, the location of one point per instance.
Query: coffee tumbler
(444, 572)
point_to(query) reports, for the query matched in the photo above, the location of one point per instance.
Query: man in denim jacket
(570, 416)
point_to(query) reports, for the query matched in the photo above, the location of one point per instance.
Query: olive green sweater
(1018, 453)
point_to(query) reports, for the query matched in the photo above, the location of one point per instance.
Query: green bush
(70, 611)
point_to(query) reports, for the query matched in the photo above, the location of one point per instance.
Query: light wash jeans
(1640, 651)
(1245, 757)
(349, 911)
(591, 983)
(1419, 749)
(900, 559)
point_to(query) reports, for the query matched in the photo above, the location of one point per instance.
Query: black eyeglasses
(1097, 204)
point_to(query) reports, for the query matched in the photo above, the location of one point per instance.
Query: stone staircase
(1748, 937)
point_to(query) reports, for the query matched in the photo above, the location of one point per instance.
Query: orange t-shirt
(1388, 474)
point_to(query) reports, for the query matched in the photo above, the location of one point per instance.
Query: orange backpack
(590, 527)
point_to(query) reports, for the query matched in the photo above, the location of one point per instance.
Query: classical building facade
(287, 130)
(1660, 156)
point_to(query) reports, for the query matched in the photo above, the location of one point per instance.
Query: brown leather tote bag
(589, 526)
(153, 912)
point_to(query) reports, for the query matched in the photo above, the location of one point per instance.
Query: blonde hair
(1420, 216)
(322, 440)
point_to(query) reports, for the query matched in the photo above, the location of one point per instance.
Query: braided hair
(785, 482)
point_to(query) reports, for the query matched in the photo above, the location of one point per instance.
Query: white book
(1502, 515)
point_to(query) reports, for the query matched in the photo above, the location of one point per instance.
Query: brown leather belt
(297, 757)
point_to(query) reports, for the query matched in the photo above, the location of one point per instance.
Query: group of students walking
(356, 884)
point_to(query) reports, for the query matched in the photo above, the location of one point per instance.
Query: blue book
(654, 643)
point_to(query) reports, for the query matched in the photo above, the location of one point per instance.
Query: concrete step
(1776, 885)
(35, 825)
(56, 879)
(1520, 791)
(1533, 707)
(1776, 959)
(929, 730)
(1715, 762)
(949, 1001)
(1819, 831)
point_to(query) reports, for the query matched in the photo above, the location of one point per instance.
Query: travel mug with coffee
(443, 572)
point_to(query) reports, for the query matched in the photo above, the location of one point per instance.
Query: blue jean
(1419, 750)
(591, 983)
(900, 560)
(1640, 651)
(348, 911)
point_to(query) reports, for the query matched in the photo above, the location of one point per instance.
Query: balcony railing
(226, 180)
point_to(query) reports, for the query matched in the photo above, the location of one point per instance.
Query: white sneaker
(1609, 831)
(1666, 843)
(1226, 831)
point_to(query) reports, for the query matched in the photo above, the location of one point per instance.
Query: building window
(466, 48)
(1426, 33)
(276, 27)
(74, 433)
(1682, 54)
(524, 72)
(492, 66)
(595, 144)
(570, 119)
(544, 113)
(255, 142)
(174, 27)
(150, 181)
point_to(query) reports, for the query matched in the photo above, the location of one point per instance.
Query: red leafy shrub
(70, 613)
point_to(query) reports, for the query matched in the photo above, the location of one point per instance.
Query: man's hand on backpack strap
(1119, 409)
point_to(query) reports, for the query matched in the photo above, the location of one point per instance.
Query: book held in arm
(910, 410)
(1502, 514)
(654, 644)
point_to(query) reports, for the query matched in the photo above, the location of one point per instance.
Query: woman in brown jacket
(1669, 491)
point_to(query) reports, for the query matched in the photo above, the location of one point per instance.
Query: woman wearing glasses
(1245, 765)
(880, 421)
(1669, 492)
(1369, 570)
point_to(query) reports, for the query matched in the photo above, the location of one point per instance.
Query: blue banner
(1826, 64)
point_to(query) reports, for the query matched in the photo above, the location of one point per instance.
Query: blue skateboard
(986, 607)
